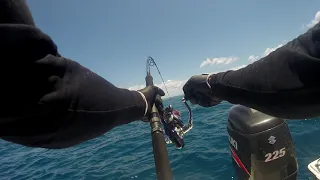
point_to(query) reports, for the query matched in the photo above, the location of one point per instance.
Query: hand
(198, 91)
(152, 95)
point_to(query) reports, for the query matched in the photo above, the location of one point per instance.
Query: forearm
(76, 105)
(95, 95)
(97, 108)
(284, 83)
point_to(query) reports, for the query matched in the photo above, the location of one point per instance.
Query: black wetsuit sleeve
(50, 101)
(284, 84)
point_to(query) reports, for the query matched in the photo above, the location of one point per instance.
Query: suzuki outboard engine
(261, 146)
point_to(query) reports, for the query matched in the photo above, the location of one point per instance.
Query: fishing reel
(174, 127)
(170, 118)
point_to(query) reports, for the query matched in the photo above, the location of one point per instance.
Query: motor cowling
(261, 146)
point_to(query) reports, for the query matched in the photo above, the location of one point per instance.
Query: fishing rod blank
(161, 158)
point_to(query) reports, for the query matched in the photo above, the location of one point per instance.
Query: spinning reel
(174, 127)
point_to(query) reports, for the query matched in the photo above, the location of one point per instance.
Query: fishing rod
(173, 126)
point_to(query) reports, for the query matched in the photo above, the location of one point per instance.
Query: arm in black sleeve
(50, 101)
(284, 84)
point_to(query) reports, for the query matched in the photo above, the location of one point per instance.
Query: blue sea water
(126, 152)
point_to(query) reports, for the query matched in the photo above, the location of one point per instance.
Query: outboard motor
(261, 146)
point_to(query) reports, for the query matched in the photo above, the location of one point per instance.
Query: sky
(184, 37)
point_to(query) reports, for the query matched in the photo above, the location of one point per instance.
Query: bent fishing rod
(173, 126)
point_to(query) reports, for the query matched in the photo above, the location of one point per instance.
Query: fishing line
(151, 62)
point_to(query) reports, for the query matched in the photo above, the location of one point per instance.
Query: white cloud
(237, 67)
(253, 58)
(220, 60)
(270, 50)
(315, 20)
(174, 87)
(136, 87)
(232, 68)
(266, 52)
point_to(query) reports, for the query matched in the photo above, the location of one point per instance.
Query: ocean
(125, 153)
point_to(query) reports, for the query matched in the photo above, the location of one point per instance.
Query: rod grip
(161, 158)
(162, 162)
